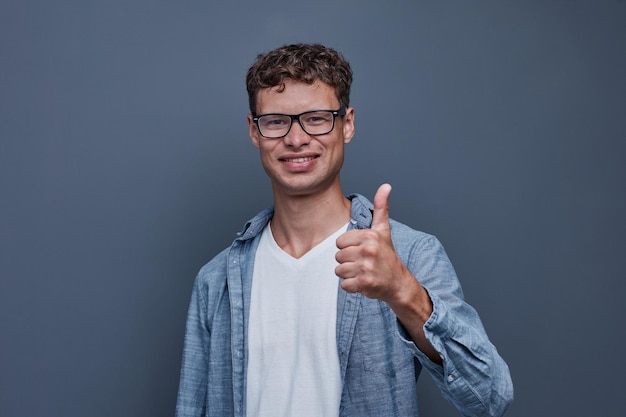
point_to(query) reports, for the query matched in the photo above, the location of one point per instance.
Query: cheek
(265, 152)
(339, 146)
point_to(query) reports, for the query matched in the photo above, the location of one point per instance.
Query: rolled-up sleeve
(474, 377)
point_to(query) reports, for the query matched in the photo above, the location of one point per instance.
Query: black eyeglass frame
(336, 113)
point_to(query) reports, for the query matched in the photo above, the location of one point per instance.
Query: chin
(301, 188)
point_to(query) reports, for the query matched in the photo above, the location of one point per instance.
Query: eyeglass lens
(313, 123)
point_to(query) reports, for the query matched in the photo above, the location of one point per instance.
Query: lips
(299, 163)
(298, 158)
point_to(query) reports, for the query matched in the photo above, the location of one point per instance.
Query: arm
(443, 331)
(413, 308)
(472, 376)
(369, 264)
(191, 401)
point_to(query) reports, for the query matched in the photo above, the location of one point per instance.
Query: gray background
(125, 166)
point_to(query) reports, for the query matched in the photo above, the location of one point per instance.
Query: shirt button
(450, 378)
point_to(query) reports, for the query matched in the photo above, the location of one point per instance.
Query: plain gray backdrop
(125, 165)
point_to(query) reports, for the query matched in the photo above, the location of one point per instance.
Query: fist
(368, 262)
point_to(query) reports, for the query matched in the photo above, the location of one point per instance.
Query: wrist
(411, 300)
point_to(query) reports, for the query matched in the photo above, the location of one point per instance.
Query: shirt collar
(360, 217)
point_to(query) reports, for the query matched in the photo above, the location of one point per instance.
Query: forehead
(296, 97)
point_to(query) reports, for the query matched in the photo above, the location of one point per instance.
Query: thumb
(380, 219)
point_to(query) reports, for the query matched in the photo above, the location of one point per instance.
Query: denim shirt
(379, 363)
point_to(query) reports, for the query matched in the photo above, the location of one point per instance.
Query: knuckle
(370, 234)
(371, 250)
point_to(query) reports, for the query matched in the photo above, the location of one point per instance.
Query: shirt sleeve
(474, 378)
(192, 391)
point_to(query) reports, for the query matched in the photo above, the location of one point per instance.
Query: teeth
(300, 159)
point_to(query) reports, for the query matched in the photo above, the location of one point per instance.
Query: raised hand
(368, 262)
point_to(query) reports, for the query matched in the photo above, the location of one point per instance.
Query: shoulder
(421, 252)
(214, 270)
(218, 263)
(402, 232)
(407, 240)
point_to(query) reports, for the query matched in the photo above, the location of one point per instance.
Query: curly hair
(300, 62)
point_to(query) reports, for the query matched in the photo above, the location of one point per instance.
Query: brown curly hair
(303, 63)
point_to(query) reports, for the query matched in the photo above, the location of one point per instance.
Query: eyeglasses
(314, 122)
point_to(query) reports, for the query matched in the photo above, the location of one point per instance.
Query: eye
(274, 121)
(317, 118)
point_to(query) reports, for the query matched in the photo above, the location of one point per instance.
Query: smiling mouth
(305, 159)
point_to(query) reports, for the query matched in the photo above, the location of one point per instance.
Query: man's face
(299, 163)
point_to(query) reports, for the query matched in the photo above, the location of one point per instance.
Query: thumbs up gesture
(368, 262)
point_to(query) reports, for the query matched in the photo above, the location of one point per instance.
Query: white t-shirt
(293, 364)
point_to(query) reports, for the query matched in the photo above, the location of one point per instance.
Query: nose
(296, 137)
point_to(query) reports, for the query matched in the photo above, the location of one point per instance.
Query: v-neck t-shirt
(293, 364)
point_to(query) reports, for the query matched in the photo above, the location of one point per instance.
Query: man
(323, 306)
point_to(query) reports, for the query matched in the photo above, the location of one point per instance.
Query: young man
(323, 306)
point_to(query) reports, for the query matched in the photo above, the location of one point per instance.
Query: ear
(253, 131)
(348, 125)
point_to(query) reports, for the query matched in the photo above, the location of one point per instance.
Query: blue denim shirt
(379, 363)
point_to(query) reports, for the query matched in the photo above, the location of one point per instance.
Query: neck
(302, 222)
